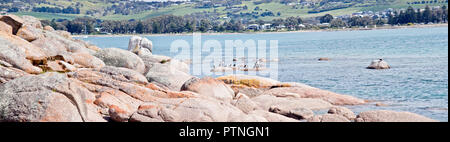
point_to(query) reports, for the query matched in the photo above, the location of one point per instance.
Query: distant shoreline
(272, 32)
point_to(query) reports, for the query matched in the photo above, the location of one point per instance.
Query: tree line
(408, 16)
(67, 10)
(188, 24)
(427, 15)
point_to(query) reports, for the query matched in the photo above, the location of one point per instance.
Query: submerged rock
(379, 104)
(324, 59)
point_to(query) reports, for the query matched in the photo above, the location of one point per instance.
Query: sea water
(417, 82)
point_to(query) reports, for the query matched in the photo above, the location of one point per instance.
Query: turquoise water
(417, 82)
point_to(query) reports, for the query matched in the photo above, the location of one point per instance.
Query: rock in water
(324, 59)
(391, 116)
(379, 64)
(140, 46)
(121, 58)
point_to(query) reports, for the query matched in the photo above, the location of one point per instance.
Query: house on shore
(255, 27)
(266, 27)
(3, 12)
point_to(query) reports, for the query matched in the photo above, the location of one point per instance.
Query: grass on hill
(180, 10)
(49, 16)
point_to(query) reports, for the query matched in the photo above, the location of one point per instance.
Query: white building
(266, 26)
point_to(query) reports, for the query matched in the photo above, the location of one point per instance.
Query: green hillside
(126, 10)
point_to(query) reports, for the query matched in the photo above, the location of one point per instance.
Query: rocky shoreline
(47, 76)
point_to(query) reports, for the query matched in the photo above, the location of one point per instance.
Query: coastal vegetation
(218, 16)
(247, 10)
(189, 23)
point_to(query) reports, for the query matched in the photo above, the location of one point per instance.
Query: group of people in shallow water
(222, 66)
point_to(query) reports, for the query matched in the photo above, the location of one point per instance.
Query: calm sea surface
(417, 82)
